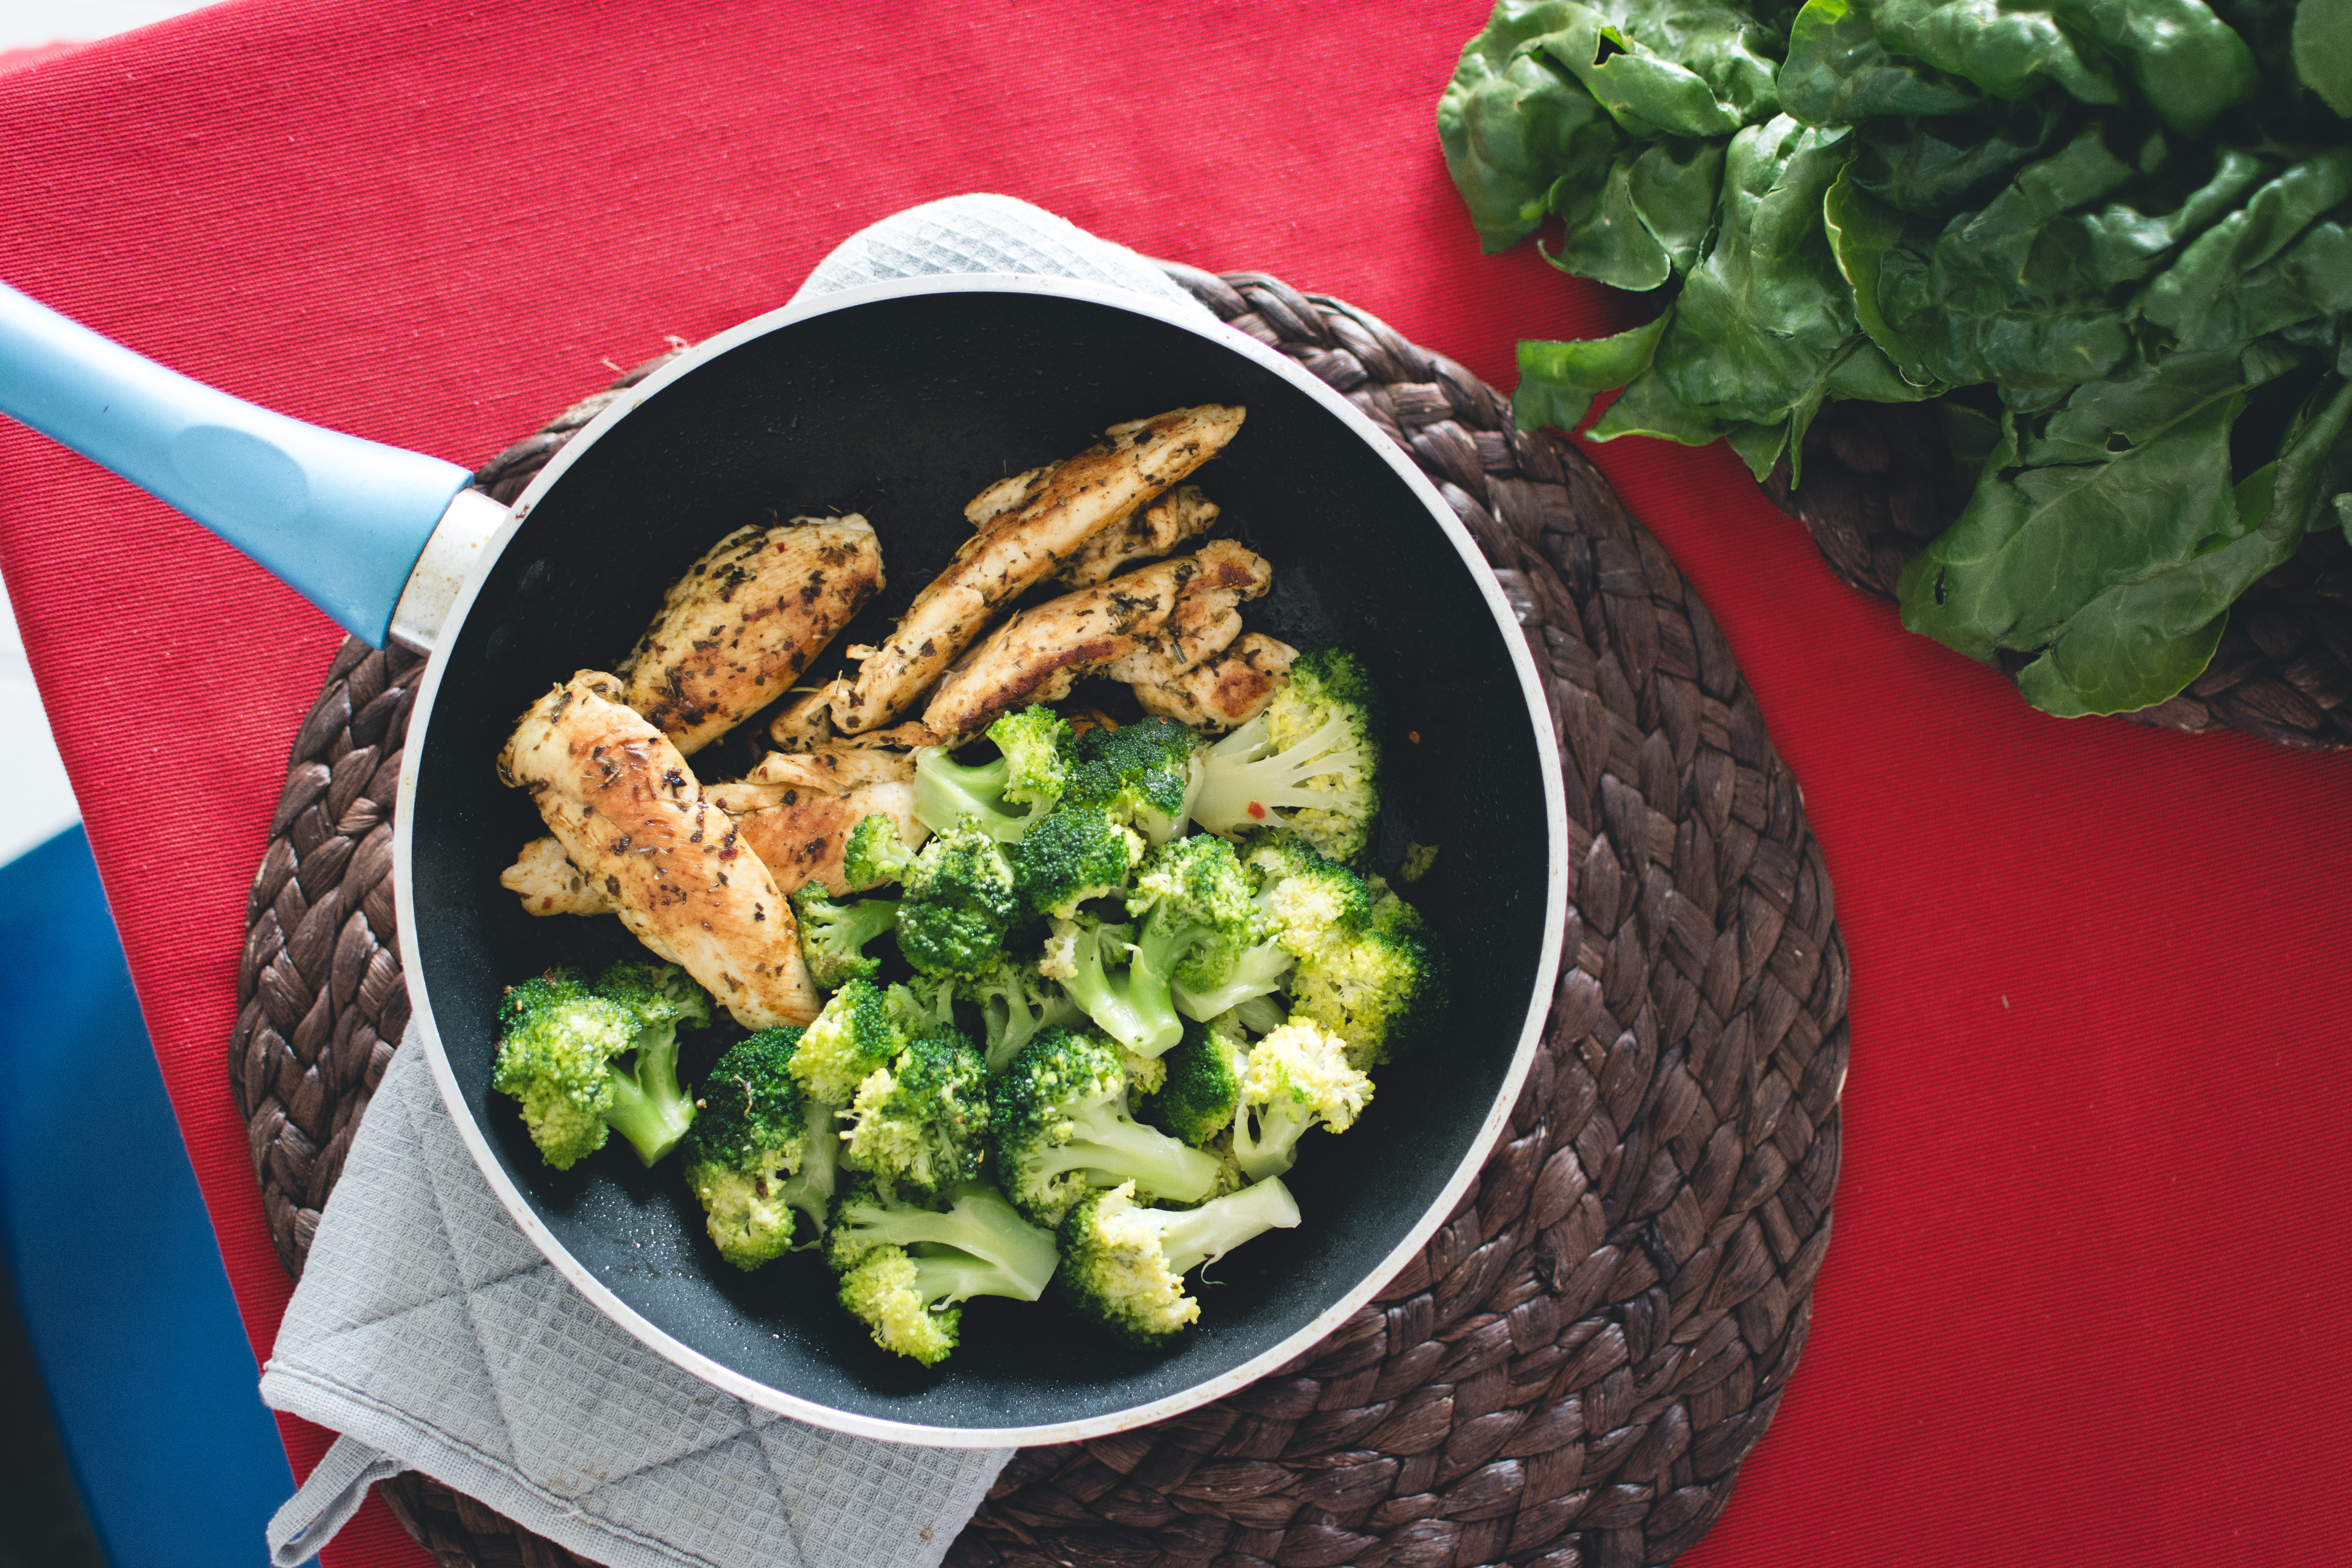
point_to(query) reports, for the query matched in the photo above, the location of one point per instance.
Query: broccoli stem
(981, 1224)
(810, 1189)
(948, 793)
(1258, 972)
(858, 924)
(943, 1278)
(1266, 1137)
(1104, 1140)
(649, 1108)
(1206, 1234)
(1242, 773)
(1136, 1009)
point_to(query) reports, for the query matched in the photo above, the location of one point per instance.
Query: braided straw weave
(1572, 1370)
(1879, 486)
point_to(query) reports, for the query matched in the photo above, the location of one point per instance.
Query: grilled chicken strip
(622, 801)
(796, 809)
(1162, 620)
(550, 884)
(1221, 691)
(1147, 533)
(1132, 466)
(741, 625)
(1008, 495)
(807, 726)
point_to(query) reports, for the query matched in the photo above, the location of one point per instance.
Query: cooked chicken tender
(807, 726)
(550, 884)
(622, 801)
(1163, 619)
(1008, 495)
(796, 809)
(1020, 547)
(736, 630)
(1147, 533)
(1221, 691)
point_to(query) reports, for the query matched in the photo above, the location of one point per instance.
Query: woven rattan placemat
(1572, 1370)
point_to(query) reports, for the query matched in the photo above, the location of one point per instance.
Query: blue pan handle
(339, 519)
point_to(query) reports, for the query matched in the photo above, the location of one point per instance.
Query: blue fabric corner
(118, 1282)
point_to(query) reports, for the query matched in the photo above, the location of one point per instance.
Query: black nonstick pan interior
(902, 408)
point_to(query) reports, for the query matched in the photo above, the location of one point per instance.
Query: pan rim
(1474, 1158)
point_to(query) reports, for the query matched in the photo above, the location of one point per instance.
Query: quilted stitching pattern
(427, 1323)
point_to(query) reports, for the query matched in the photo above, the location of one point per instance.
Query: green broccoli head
(1296, 1077)
(1015, 1003)
(850, 1040)
(1197, 1099)
(1199, 915)
(560, 1043)
(1143, 776)
(1077, 853)
(1204, 929)
(921, 1122)
(662, 995)
(1035, 745)
(1006, 796)
(556, 1044)
(1310, 761)
(1115, 982)
(908, 1309)
(1383, 992)
(833, 935)
(906, 1264)
(751, 1157)
(1123, 1266)
(1062, 1126)
(874, 852)
(958, 903)
(1309, 901)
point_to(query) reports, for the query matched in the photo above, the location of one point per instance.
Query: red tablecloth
(2087, 1299)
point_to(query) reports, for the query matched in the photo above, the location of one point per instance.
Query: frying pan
(901, 400)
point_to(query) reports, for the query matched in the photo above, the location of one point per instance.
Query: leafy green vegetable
(2131, 220)
(2323, 50)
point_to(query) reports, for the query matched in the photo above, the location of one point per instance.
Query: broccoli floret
(852, 1039)
(1203, 930)
(1196, 1103)
(1029, 773)
(559, 1045)
(1077, 853)
(926, 1007)
(894, 1296)
(1310, 901)
(752, 1157)
(1062, 1126)
(1103, 970)
(1248, 974)
(834, 936)
(1383, 992)
(975, 1219)
(1199, 915)
(1310, 761)
(921, 1122)
(1124, 1265)
(1140, 774)
(874, 852)
(1292, 1079)
(907, 1266)
(959, 902)
(1015, 1003)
